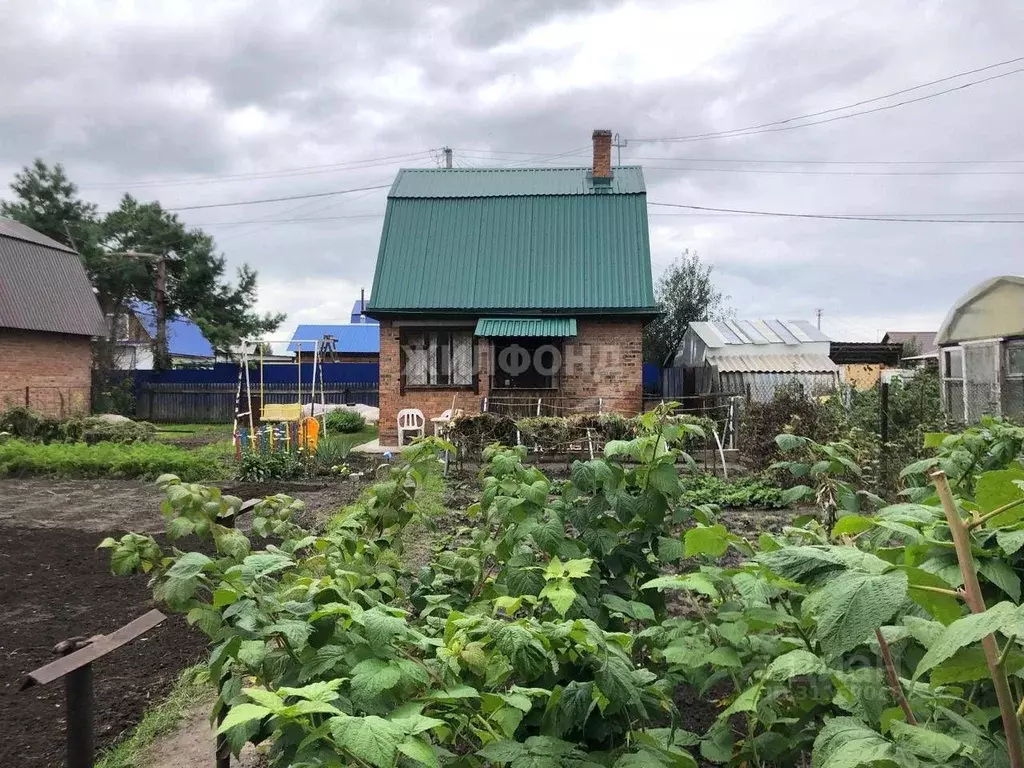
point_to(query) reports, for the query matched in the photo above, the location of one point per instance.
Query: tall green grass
(143, 460)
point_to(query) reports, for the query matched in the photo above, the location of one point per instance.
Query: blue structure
(351, 339)
(357, 313)
(184, 338)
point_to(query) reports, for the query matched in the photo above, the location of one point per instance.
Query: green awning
(526, 326)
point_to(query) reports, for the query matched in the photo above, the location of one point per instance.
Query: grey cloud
(113, 103)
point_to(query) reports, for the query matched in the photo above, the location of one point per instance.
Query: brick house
(48, 317)
(513, 289)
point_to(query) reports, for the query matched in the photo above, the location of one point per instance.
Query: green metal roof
(513, 182)
(526, 326)
(483, 243)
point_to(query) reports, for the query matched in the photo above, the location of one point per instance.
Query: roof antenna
(362, 304)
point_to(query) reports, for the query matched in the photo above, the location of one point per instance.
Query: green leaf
(797, 493)
(561, 594)
(669, 549)
(844, 742)
(664, 477)
(1010, 541)
(851, 525)
(503, 751)
(934, 439)
(945, 608)
(188, 566)
(577, 569)
(322, 690)
(372, 677)
(294, 631)
(725, 657)
(242, 713)
(369, 738)
(920, 467)
(808, 562)
(251, 652)
(997, 488)
(796, 663)
(265, 698)
(788, 442)
(969, 664)
(1003, 576)
(455, 693)
(925, 743)
(852, 606)
(416, 724)
(380, 627)
(420, 750)
(745, 702)
(179, 528)
(716, 746)
(692, 651)
(970, 629)
(692, 582)
(706, 540)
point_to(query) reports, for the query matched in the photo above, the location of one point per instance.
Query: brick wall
(55, 367)
(605, 360)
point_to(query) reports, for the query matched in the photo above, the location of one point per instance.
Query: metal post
(884, 426)
(78, 690)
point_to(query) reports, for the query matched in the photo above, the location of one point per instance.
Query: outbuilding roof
(514, 241)
(722, 333)
(992, 309)
(350, 338)
(43, 285)
(184, 337)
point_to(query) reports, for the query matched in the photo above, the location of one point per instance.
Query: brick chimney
(602, 155)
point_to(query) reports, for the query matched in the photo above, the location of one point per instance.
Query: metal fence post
(78, 697)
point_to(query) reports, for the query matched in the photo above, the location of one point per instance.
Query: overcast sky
(206, 102)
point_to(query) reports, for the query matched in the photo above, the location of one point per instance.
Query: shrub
(102, 431)
(29, 424)
(145, 460)
(744, 492)
(345, 422)
(817, 419)
(259, 467)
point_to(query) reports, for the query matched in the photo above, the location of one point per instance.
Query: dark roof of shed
(514, 241)
(43, 285)
(924, 340)
(866, 352)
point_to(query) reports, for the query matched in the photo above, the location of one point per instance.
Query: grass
(144, 460)
(191, 688)
(352, 439)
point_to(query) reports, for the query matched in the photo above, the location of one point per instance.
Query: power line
(832, 162)
(783, 172)
(846, 217)
(277, 199)
(782, 125)
(291, 221)
(351, 165)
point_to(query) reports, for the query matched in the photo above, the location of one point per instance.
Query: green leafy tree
(197, 288)
(684, 293)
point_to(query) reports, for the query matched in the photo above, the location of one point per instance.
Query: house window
(437, 358)
(527, 363)
(1015, 359)
(953, 381)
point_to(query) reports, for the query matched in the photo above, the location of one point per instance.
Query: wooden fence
(216, 403)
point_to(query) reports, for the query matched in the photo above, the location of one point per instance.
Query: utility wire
(842, 217)
(277, 199)
(782, 125)
(352, 165)
(831, 162)
(784, 172)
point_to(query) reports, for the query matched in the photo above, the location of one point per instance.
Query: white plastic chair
(441, 422)
(411, 420)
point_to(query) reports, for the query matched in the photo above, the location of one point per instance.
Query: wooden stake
(976, 602)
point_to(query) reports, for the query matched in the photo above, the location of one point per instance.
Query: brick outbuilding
(520, 290)
(48, 318)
